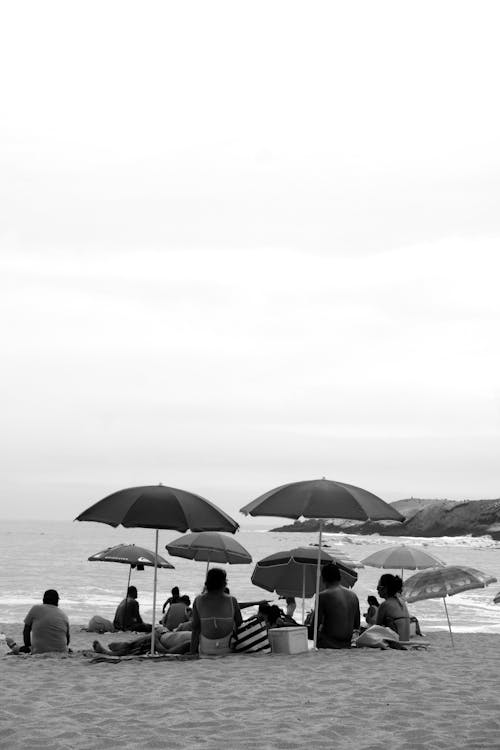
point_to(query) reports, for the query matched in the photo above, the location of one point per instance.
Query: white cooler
(288, 640)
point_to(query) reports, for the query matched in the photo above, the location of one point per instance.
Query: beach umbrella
(438, 583)
(131, 555)
(496, 600)
(293, 572)
(340, 555)
(159, 507)
(402, 556)
(321, 498)
(209, 547)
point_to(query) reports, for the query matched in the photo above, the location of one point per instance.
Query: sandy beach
(363, 698)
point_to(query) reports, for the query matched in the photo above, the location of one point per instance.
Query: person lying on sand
(165, 642)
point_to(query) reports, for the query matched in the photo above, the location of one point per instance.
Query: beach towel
(252, 637)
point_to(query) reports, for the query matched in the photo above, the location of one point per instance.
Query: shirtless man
(338, 611)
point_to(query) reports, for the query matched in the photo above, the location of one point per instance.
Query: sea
(37, 555)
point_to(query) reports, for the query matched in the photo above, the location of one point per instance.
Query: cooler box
(288, 640)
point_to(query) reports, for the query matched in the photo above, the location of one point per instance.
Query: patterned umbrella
(209, 546)
(438, 583)
(321, 498)
(402, 556)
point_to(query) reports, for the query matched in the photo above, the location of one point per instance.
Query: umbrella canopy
(402, 556)
(321, 498)
(496, 600)
(130, 554)
(438, 583)
(209, 546)
(293, 572)
(159, 507)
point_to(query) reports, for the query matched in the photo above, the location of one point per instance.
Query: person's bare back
(339, 616)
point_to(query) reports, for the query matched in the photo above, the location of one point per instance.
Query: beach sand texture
(363, 698)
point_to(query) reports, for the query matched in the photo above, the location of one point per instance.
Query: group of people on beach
(208, 627)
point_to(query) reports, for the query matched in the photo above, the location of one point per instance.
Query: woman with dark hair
(393, 612)
(215, 616)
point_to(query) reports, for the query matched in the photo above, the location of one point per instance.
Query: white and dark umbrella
(133, 556)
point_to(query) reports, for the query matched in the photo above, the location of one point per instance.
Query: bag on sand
(98, 624)
(377, 636)
(251, 637)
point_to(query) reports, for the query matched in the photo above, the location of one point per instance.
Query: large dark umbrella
(321, 498)
(293, 572)
(209, 546)
(159, 507)
(438, 583)
(133, 556)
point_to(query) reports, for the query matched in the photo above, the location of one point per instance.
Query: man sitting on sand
(46, 628)
(127, 615)
(338, 611)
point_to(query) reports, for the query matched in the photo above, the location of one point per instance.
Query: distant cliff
(424, 517)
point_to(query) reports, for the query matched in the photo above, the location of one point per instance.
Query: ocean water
(37, 555)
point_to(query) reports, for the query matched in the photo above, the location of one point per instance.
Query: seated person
(127, 616)
(271, 614)
(371, 613)
(46, 627)
(393, 612)
(178, 612)
(215, 616)
(338, 611)
(165, 642)
(176, 595)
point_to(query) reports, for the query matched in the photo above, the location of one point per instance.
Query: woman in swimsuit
(215, 616)
(393, 612)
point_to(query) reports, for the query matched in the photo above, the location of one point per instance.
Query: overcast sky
(248, 243)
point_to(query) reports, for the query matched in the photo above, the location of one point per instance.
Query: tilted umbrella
(402, 556)
(131, 555)
(209, 547)
(321, 498)
(438, 583)
(293, 572)
(159, 507)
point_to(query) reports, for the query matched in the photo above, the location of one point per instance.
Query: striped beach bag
(251, 637)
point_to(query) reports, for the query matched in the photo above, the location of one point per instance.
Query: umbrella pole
(449, 623)
(318, 573)
(154, 597)
(303, 591)
(208, 565)
(126, 594)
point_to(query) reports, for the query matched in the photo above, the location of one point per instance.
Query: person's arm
(357, 615)
(67, 633)
(137, 616)
(195, 633)
(27, 636)
(238, 619)
(380, 617)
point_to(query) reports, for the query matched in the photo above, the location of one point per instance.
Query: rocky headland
(423, 517)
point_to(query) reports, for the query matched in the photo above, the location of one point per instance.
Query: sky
(245, 244)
